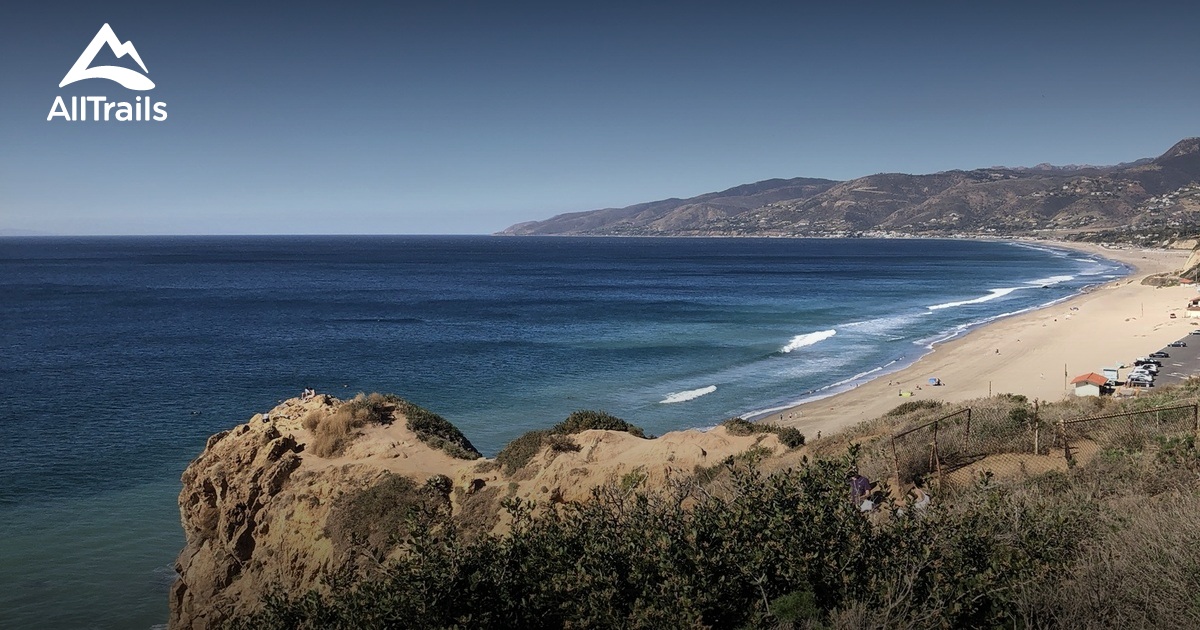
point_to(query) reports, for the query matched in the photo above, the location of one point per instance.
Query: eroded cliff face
(260, 510)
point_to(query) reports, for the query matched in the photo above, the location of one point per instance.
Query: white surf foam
(800, 341)
(884, 325)
(829, 390)
(1050, 281)
(678, 397)
(993, 294)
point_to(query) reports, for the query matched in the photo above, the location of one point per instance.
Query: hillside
(322, 486)
(1147, 197)
(1036, 511)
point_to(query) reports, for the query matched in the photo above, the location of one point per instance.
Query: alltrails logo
(99, 107)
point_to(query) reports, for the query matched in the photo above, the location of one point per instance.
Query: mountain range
(1146, 196)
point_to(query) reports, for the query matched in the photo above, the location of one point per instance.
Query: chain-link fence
(1135, 431)
(1021, 440)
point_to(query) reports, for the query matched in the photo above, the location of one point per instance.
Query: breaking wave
(800, 341)
(679, 397)
(993, 294)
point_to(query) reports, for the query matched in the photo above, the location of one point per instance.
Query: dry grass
(1144, 575)
(333, 431)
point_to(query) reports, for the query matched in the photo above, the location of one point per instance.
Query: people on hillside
(918, 496)
(860, 492)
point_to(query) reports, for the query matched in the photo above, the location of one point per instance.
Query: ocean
(120, 356)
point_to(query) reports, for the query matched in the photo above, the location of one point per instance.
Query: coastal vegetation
(517, 453)
(334, 430)
(906, 408)
(790, 437)
(775, 541)
(437, 431)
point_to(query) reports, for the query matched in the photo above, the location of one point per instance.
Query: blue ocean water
(120, 356)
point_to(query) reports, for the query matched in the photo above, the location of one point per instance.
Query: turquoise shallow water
(121, 356)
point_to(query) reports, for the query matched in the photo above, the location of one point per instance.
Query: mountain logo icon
(130, 79)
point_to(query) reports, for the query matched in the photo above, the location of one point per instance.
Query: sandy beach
(1027, 354)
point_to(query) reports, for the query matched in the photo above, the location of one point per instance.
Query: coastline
(1027, 353)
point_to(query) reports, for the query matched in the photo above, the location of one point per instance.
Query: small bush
(796, 606)
(312, 419)
(791, 437)
(738, 426)
(562, 444)
(517, 453)
(906, 408)
(437, 432)
(1019, 415)
(376, 518)
(333, 431)
(584, 420)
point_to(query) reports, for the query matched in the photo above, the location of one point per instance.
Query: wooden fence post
(937, 458)
(1037, 426)
(896, 461)
(1062, 429)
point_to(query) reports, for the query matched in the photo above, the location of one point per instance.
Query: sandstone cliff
(260, 508)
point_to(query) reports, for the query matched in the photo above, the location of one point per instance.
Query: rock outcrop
(260, 510)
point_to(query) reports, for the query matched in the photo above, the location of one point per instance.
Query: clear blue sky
(465, 117)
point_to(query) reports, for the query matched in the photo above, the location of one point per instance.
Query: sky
(457, 117)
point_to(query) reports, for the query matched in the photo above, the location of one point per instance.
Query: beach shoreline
(1034, 353)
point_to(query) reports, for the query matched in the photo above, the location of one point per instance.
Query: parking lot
(1182, 363)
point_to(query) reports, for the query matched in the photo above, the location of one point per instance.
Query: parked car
(1145, 361)
(1195, 332)
(1177, 344)
(1159, 355)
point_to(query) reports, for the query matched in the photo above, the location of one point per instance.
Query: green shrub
(584, 420)
(644, 560)
(562, 443)
(517, 453)
(796, 606)
(739, 426)
(906, 408)
(437, 432)
(373, 520)
(790, 437)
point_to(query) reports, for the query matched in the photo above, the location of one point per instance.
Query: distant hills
(1148, 196)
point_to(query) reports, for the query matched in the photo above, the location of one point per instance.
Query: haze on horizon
(468, 117)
